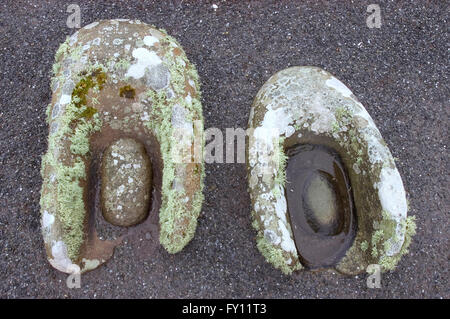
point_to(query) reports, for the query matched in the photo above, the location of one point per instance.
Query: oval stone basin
(126, 183)
(320, 204)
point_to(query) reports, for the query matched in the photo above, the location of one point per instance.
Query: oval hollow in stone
(320, 204)
(126, 183)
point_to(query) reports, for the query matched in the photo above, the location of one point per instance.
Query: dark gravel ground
(399, 72)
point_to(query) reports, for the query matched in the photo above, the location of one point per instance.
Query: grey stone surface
(126, 183)
(398, 72)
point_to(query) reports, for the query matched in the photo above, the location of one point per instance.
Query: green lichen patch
(70, 209)
(127, 91)
(70, 204)
(77, 123)
(276, 256)
(173, 208)
(48, 113)
(65, 51)
(89, 264)
(280, 178)
(384, 231)
(79, 95)
(177, 220)
(122, 64)
(364, 245)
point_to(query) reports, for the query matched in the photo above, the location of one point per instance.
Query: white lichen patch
(145, 59)
(47, 220)
(393, 200)
(60, 260)
(150, 40)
